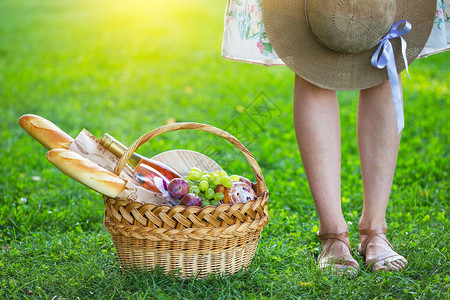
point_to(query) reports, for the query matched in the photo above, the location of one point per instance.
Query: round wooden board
(184, 160)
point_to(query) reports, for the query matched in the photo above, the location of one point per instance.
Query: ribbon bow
(384, 57)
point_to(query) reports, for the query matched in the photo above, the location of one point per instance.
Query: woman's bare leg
(378, 144)
(317, 127)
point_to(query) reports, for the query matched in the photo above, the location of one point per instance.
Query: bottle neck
(118, 149)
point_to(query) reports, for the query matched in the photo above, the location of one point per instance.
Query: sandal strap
(371, 233)
(378, 230)
(335, 236)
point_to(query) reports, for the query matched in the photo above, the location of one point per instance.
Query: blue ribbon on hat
(384, 57)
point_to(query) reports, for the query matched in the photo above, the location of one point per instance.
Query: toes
(389, 265)
(351, 272)
(346, 271)
(380, 268)
(394, 266)
(399, 263)
(402, 262)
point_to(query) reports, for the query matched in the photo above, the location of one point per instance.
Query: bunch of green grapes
(204, 184)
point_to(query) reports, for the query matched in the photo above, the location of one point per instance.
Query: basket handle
(261, 188)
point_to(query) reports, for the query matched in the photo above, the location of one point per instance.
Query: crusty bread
(45, 132)
(86, 172)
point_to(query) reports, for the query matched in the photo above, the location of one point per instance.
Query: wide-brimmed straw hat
(330, 43)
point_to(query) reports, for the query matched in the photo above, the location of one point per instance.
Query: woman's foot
(378, 252)
(336, 254)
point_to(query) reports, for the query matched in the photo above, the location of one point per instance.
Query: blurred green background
(126, 67)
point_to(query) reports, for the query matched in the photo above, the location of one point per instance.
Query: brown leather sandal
(362, 248)
(341, 265)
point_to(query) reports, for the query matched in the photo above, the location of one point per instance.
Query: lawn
(127, 67)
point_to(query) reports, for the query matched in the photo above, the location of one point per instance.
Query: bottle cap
(113, 145)
(106, 140)
(118, 149)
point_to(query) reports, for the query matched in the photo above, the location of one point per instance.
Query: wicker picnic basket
(194, 241)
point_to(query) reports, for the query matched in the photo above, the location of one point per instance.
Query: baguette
(87, 172)
(45, 132)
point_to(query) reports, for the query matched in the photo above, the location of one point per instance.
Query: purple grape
(177, 188)
(191, 199)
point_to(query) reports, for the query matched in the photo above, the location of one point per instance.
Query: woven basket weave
(194, 241)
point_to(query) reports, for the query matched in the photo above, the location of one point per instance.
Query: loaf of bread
(86, 172)
(45, 132)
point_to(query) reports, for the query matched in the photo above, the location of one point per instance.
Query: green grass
(126, 67)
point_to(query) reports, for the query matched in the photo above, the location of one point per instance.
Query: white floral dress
(439, 40)
(245, 39)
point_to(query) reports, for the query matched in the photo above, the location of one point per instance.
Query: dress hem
(433, 52)
(254, 62)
